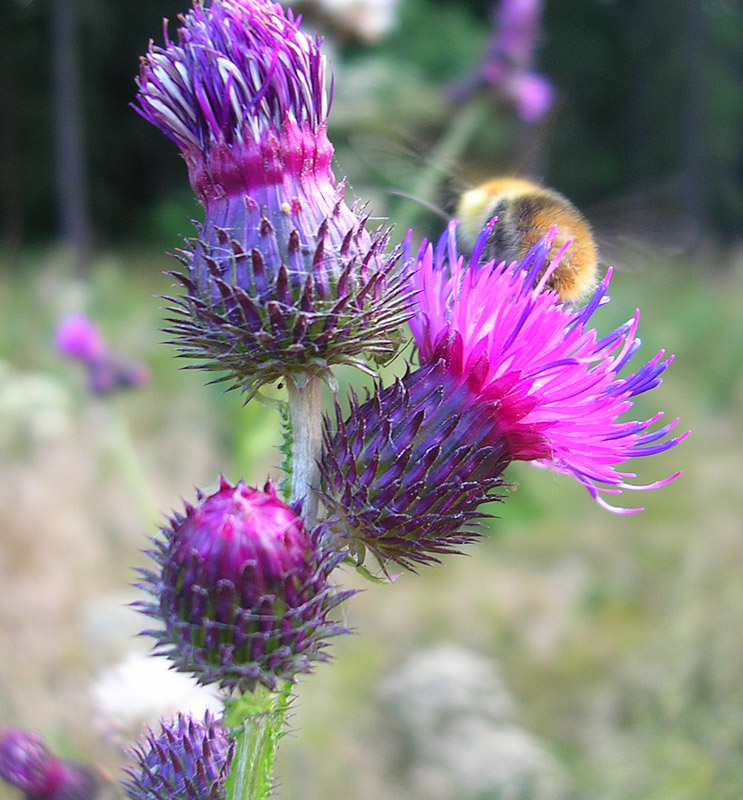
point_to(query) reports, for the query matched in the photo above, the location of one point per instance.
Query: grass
(620, 637)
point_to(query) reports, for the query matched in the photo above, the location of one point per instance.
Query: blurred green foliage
(649, 96)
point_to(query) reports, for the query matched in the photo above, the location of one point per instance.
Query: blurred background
(572, 653)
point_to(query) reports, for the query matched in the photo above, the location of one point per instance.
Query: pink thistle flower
(532, 94)
(552, 376)
(80, 339)
(507, 373)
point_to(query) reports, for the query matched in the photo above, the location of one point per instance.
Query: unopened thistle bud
(242, 590)
(189, 760)
(507, 373)
(283, 278)
(27, 764)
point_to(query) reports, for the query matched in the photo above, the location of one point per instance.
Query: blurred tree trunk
(694, 115)
(11, 195)
(72, 201)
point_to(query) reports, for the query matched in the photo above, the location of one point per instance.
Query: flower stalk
(256, 723)
(305, 415)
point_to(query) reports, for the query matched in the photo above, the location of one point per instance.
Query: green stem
(256, 722)
(123, 452)
(305, 414)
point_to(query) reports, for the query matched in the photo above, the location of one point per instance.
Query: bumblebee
(526, 212)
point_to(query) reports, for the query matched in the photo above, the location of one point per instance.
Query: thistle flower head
(283, 278)
(243, 93)
(507, 373)
(551, 375)
(189, 760)
(241, 589)
(403, 473)
(27, 764)
(78, 338)
(23, 760)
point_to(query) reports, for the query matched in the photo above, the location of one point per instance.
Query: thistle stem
(305, 414)
(256, 722)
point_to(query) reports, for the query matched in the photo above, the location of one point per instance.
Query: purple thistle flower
(27, 764)
(242, 590)
(283, 278)
(517, 26)
(403, 475)
(506, 69)
(79, 339)
(189, 760)
(507, 373)
(517, 343)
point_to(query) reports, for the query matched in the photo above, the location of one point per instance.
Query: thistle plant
(189, 759)
(282, 283)
(506, 70)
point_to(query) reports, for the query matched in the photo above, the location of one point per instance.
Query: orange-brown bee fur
(526, 212)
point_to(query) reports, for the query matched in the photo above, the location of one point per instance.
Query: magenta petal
(547, 369)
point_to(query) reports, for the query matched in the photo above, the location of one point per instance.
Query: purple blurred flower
(506, 70)
(189, 760)
(78, 338)
(507, 373)
(242, 590)
(27, 764)
(283, 278)
(532, 94)
(516, 27)
(109, 374)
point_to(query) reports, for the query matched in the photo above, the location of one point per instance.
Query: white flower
(443, 683)
(141, 689)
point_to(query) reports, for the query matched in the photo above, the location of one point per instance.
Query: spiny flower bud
(404, 473)
(507, 373)
(283, 278)
(27, 764)
(189, 760)
(242, 590)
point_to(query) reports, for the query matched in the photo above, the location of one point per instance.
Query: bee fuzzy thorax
(526, 212)
(477, 206)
